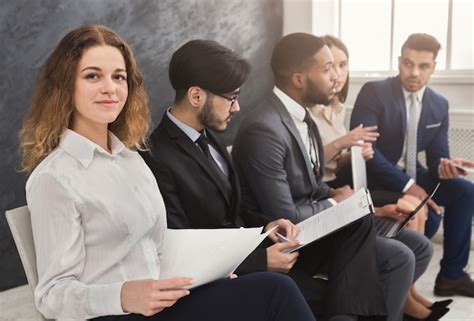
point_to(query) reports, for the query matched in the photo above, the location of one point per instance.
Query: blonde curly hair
(52, 106)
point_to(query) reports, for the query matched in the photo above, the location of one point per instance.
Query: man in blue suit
(412, 118)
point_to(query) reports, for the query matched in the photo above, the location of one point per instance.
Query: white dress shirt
(418, 105)
(98, 220)
(297, 113)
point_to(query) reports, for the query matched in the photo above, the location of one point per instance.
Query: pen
(281, 238)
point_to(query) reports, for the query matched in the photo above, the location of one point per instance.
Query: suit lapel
(426, 115)
(232, 179)
(190, 148)
(290, 125)
(400, 101)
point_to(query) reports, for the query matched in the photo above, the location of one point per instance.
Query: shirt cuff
(104, 299)
(332, 201)
(408, 185)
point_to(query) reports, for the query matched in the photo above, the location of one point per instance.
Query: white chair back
(20, 225)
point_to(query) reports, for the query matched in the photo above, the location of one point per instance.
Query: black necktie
(313, 144)
(203, 142)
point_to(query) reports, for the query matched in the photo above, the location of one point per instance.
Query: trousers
(401, 261)
(457, 197)
(263, 296)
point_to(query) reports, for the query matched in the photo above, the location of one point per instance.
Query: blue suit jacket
(382, 103)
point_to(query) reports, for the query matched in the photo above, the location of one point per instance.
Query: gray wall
(29, 30)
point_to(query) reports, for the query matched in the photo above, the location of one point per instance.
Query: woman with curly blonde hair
(43, 126)
(97, 215)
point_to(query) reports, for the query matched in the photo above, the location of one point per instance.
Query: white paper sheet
(359, 171)
(331, 219)
(206, 255)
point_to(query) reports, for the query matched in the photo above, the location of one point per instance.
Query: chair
(19, 222)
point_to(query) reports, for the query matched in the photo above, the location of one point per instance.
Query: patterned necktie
(313, 144)
(411, 154)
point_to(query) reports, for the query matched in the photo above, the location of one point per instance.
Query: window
(462, 35)
(420, 16)
(359, 33)
(374, 30)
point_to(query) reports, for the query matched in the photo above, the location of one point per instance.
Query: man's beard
(315, 96)
(208, 118)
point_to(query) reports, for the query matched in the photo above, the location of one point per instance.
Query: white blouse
(98, 220)
(330, 122)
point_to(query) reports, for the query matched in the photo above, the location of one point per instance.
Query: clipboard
(332, 219)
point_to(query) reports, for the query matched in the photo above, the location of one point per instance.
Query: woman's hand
(390, 211)
(367, 151)
(405, 205)
(415, 201)
(149, 297)
(360, 133)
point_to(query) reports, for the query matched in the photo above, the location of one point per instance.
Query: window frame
(444, 76)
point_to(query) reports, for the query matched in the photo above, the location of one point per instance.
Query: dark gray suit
(269, 146)
(277, 179)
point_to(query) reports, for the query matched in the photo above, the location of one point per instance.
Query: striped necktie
(313, 145)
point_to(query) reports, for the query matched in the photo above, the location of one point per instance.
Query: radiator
(461, 135)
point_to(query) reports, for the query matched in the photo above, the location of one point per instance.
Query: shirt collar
(418, 94)
(84, 149)
(296, 110)
(188, 130)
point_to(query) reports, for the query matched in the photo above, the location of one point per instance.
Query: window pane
(365, 29)
(414, 16)
(462, 51)
(325, 17)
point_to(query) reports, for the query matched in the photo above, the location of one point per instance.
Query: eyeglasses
(232, 99)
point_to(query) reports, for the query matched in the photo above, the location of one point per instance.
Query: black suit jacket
(193, 194)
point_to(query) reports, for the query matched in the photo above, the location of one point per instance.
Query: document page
(334, 218)
(359, 171)
(206, 255)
